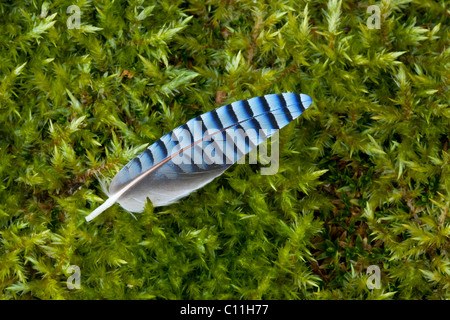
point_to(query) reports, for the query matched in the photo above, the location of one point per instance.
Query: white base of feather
(108, 203)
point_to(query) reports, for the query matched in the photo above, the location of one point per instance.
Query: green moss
(364, 174)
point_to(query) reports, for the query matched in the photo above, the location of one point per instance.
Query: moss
(364, 174)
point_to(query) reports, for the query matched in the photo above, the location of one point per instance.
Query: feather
(195, 153)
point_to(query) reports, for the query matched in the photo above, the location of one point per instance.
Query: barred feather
(195, 153)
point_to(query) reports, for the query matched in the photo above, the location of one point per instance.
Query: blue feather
(193, 154)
